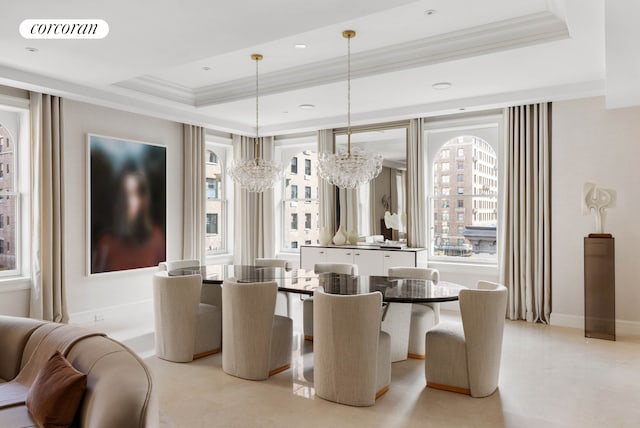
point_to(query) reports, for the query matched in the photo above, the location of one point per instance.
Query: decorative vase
(325, 236)
(353, 237)
(340, 237)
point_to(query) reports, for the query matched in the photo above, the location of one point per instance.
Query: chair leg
(279, 369)
(416, 356)
(382, 392)
(449, 388)
(205, 353)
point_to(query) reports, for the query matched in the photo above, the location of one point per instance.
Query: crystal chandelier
(354, 167)
(258, 174)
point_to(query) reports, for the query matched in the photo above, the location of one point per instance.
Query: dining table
(397, 293)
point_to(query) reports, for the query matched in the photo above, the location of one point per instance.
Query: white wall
(88, 296)
(593, 144)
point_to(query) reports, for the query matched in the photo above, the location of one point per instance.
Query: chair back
(275, 263)
(415, 273)
(179, 264)
(175, 303)
(483, 312)
(247, 323)
(339, 268)
(345, 346)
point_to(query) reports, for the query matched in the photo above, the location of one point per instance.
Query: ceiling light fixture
(430, 12)
(307, 106)
(351, 168)
(256, 175)
(206, 68)
(300, 46)
(439, 86)
(30, 49)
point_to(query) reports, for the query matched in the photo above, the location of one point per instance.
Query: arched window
(216, 204)
(465, 199)
(300, 209)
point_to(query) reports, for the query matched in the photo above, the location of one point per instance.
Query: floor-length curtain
(526, 227)
(48, 296)
(416, 201)
(326, 191)
(193, 209)
(255, 222)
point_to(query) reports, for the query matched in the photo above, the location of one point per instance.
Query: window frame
(222, 149)
(16, 110)
(287, 147)
(489, 127)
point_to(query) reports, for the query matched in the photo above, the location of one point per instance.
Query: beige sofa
(119, 385)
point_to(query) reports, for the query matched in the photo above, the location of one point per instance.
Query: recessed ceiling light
(430, 12)
(462, 109)
(300, 46)
(30, 49)
(285, 112)
(206, 68)
(441, 85)
(307, 106)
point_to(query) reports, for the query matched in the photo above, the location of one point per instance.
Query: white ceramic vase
(353, 237)
(325, 236)
(340, 237)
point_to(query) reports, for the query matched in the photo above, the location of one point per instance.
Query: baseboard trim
(623, 327)
(88, 317)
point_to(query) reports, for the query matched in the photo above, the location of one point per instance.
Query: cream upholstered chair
(282, 300)
(423, 316)
(351, 356)
(185, 328)
(466, 358)
(307, 304)
(256, 342)
(177, 264)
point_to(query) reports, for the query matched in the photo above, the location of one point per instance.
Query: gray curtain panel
(254, 232)
(526, 225)
(48, 296)
(416, 185)
(193, 208)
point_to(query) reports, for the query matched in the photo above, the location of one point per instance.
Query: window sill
(471, 268)
(14, 283)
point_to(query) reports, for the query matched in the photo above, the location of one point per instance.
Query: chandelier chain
(349, 95)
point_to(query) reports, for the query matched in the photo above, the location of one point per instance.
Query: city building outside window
(9, 201)
(292, 235)
(471, 235)
(294, 165)
(215, 202)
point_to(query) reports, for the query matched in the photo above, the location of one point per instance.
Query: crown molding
(448, 107)
(497, 36)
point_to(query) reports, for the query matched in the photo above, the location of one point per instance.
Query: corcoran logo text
(64, 29)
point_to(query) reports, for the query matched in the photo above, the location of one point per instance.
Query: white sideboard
(371, 261)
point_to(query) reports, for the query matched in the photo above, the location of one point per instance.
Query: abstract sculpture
(596, 200)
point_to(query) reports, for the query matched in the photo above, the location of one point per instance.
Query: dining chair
(177, 264)
(185, 329)
(465, 357)
(423, 315)
(351, 355)
(282, 300)
(256, 342)
(307, 304)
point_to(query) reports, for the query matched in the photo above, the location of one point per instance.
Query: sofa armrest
(14, 334)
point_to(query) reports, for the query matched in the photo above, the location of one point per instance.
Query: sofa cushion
(55, 395)
(14, 333)
(16, 417)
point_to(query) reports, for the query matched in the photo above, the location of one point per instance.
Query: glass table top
(306, 282)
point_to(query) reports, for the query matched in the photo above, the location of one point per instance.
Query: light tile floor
(551, 377)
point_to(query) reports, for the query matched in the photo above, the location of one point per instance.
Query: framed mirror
(377, 210)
